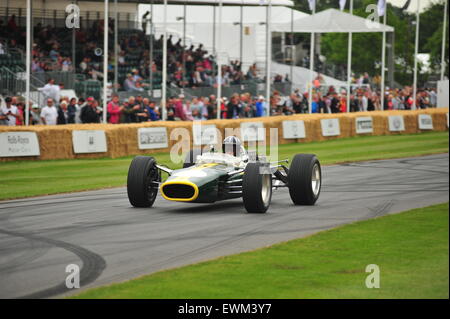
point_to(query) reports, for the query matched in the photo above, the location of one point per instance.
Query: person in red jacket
(114, 110)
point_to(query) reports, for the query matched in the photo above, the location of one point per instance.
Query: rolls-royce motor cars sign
(19, 144)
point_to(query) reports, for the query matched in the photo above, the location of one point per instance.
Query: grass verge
(31, 178)
(410, 248)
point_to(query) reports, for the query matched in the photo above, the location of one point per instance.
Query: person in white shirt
(11, 112)
(51, 90)
(49, 113)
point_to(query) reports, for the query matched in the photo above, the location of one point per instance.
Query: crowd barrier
(107, 140)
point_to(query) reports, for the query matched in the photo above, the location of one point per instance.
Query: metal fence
(15, 84)
(57, 18)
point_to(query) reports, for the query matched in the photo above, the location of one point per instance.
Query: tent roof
(286, 3)
(230, 14)
(333, 20)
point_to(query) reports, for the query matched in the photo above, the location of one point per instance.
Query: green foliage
(367, 46)
(431, 24)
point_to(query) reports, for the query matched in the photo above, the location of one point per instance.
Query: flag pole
(268, 55)
(219, 62)
(164, 65)
(28, 65)
(444, 29)
(416, 51)
(383, 57)
(311, 66)
(349, 62)
(292, 51)
(105, 61)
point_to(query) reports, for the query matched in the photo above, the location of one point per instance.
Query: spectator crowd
(50, 53)
(137, 108)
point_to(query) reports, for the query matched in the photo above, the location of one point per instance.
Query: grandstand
(72, 46)
(202, 49)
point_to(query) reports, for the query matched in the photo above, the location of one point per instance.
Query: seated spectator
(130, 85)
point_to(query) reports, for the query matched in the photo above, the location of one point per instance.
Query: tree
(430, 35)
(366, 55)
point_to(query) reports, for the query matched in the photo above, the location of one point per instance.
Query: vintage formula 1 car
(215, 176)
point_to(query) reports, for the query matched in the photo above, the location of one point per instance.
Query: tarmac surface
(111, 241)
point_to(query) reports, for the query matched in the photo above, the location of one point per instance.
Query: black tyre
(305, 179)
(256, 188)
(142, 182)
(191, 157)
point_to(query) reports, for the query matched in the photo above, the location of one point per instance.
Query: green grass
(410, 248)
(30, 178)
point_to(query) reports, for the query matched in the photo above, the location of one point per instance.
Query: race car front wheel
(142, 182)
(304, 179)
(256, 188)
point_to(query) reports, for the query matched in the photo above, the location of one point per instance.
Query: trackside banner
(252, 131)
(204, 134)
(330, 127)
(152, 138)
(364, 125)
(425, 122)
(85, 141)
(19, 144)
(294, 129)
(396, 123)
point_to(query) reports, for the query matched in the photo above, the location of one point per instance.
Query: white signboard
(152, 137)
(85, 141)
(294, 129)
(252, 131)
(204, 134)
(330, 127)
(19, 144)
(364, 125)
(396, 123)
(442, 93)
(425, 122)
(157, 94)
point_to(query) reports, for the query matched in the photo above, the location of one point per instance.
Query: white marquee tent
(336, 21)
(332, 20)
(200, 21)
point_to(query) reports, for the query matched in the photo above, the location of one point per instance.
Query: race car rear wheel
(305, 179)
(191, 157)
(142, 182)
(256, 188)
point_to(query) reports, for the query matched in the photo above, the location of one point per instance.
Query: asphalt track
(112, 241)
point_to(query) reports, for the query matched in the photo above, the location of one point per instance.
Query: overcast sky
(413, 5)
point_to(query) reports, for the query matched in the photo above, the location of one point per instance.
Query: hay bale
(122, 139)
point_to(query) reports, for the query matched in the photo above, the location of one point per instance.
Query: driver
(232, 146)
